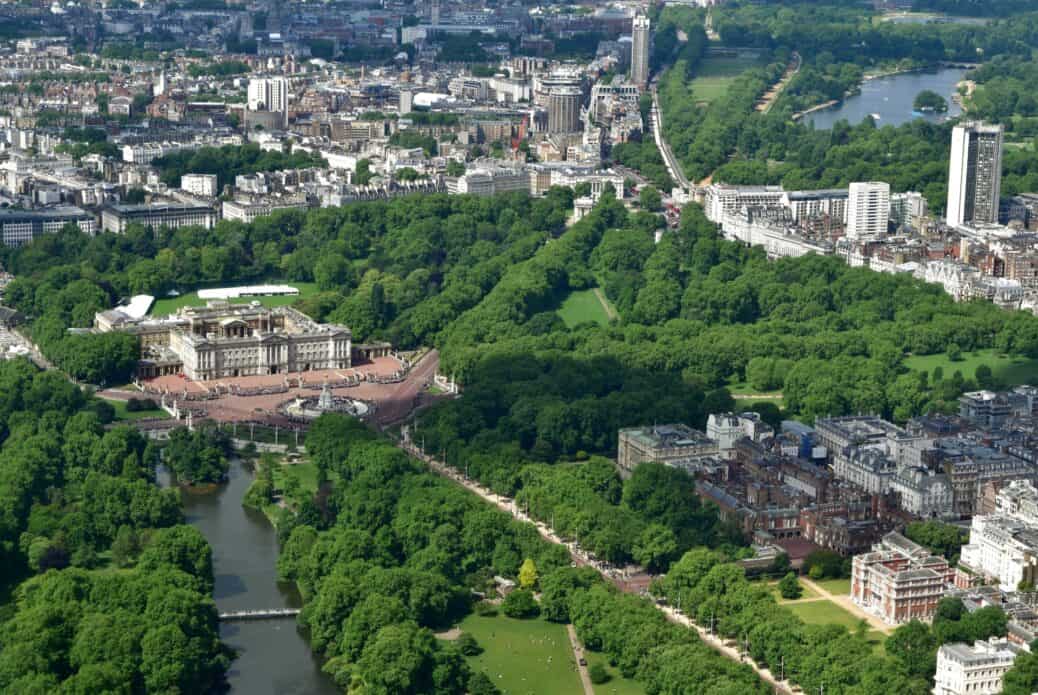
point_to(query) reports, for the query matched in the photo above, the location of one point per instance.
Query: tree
(598, 673)
(954, 352)
(789, 587)
(985, 378)
(528, 574)
(480, 684)
(655, 548)
(468, 645)
(650, 199)
(914, 646)
(520, 604)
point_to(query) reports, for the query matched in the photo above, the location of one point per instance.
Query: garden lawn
(823, 613)
(840, 587)
(582, 306)
(1011, 370)
(524, 656)
(715, 75)
(122, 414)
(617, 684)
(169, 305)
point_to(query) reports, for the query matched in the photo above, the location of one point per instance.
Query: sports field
(715, 74)
(1010, 370)
(168, 305)
(524, 656)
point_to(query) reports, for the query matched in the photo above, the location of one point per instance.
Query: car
(583, 661)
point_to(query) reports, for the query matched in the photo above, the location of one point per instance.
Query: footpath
(631, 579)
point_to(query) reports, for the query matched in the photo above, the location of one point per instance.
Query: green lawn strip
(122, 414)
(839, 587)
(1009, 369)
(524, 656)
(169, 305)
(617, 684)
(823, 613)
(582, 306)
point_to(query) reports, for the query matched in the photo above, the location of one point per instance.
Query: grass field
(304, 473)
(168, 305)
(122, 414)
(525, 657)
(823, 613)
(1011, 370)
(808, 592)
(617, 684)
(582, 306)
(713, 75)
(840, 587)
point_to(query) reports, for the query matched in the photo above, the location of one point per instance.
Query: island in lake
(930, 101)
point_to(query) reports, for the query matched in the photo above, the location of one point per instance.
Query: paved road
(673, 166)
(578, 654)
(627, 579)
(401, 398)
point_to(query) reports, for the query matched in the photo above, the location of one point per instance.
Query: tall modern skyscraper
(975, 174)
(640, 51)
(564, 109)
(868, 210)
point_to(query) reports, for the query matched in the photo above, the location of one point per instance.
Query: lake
(891, 97)
(273, 655)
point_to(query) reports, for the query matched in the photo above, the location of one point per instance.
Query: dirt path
(578, 654)
(609, 310)
(768, 100)
(850, 606)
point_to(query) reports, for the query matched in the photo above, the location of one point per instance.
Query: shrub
(485, 609)
(468, 645)
(520, 604)
(598, 674)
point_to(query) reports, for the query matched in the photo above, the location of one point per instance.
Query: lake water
(273, 656)
(891, 97)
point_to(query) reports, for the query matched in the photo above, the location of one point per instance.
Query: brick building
(899, 581)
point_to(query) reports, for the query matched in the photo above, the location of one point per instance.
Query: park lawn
(617, 684)
(715, 74)
(808, 593)
(305, 473)
(124, 415)
(823, 613)
(840, 587)
(1008, 369)
(169, 305)
(524, 657)
(582, 306)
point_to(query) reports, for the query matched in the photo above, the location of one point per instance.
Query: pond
(891, 99)
(273, 655)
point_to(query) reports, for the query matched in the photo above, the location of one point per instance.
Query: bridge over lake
(261, 614)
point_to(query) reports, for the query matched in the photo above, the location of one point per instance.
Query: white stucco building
(1004, 545)
(974, 670)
